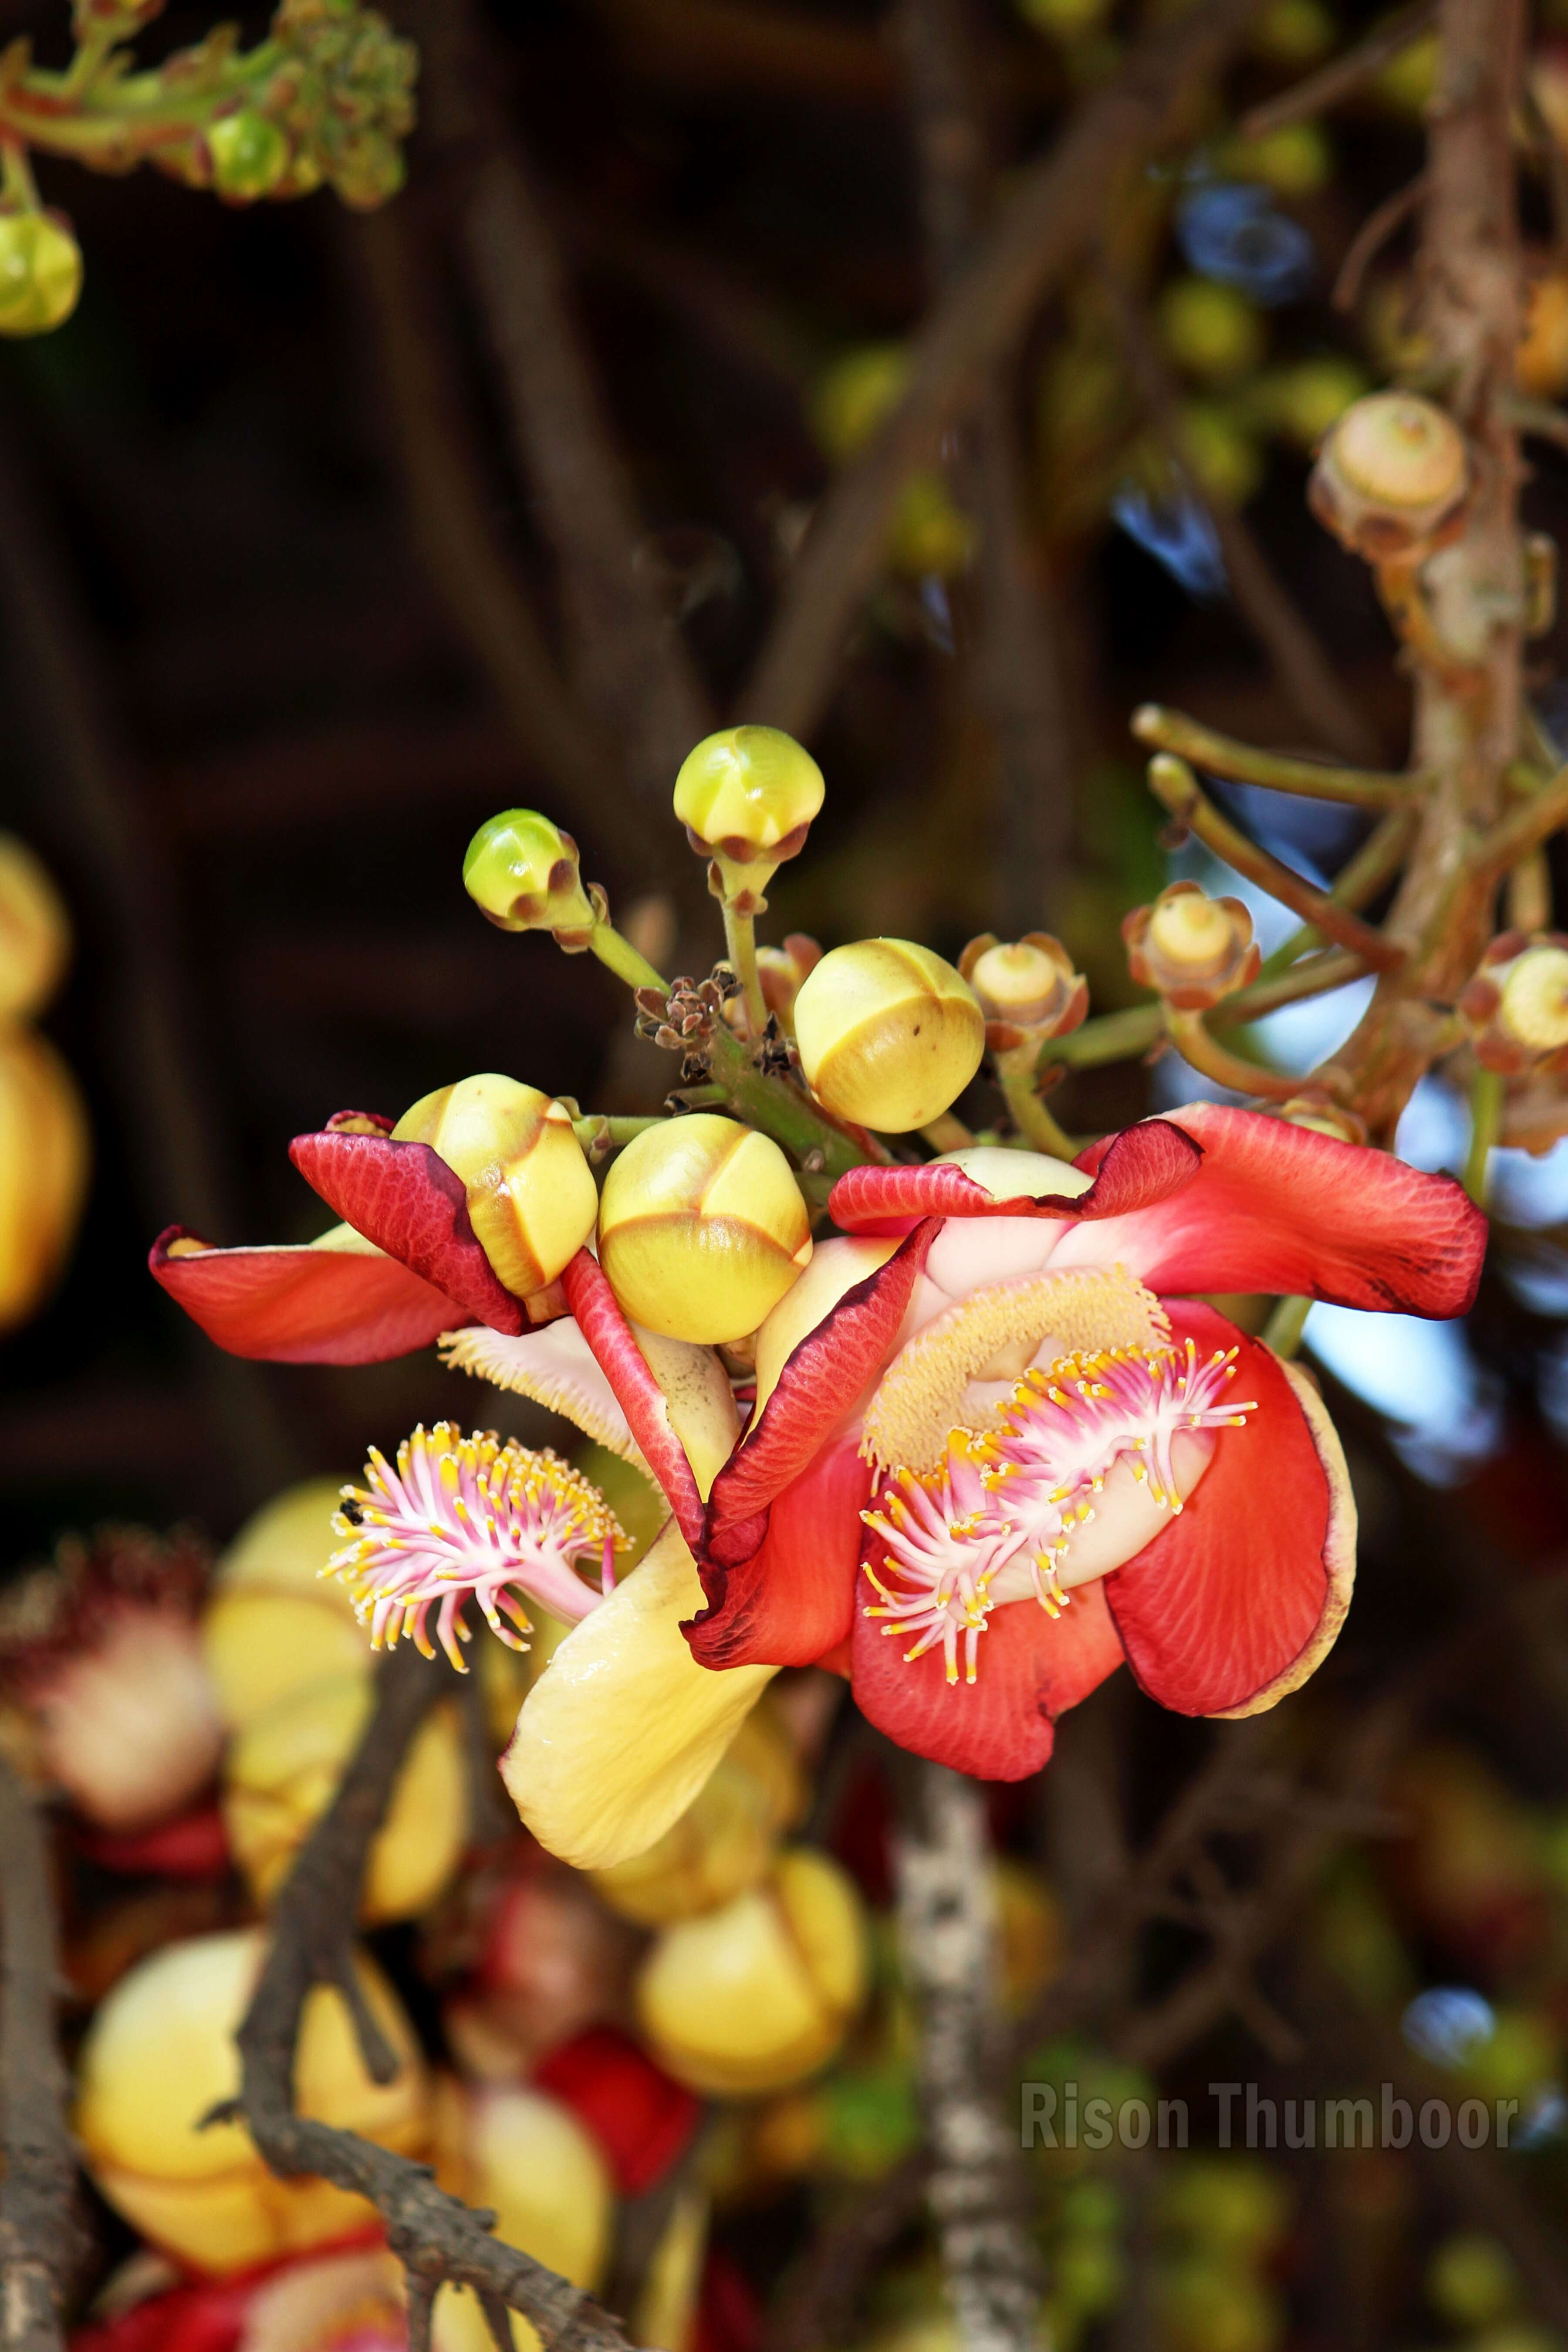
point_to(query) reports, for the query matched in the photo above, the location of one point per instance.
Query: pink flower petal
(615, 1351)
(304, 1306)
(1030, 1669)
(819, 1385)
(1142, 1165)
(1239, 1598)
(404, 1198)
(1283, 1208)
(792, 1602)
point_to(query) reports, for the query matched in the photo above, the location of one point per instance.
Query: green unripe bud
(889, 1035)
(1304, 402)
(1472, 2280)
(249, 155)
(1294, 160)
(746, 797)
(530, 1192)
(931, 537)
(40, 272)
(521, 872)
(1211, 331)
(1222, 454)
(702, 1229)
(1294, 33)
(855, 394)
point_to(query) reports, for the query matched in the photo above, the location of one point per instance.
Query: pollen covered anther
(462, 1517)
(998, 1521)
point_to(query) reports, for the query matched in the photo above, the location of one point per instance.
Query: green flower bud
(522, 873)
(40, 272)
(249, 155)
(1212, 331)
(746, 797)
(890, 1033)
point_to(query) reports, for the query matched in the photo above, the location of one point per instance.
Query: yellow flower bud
(531, 1196)
(703, 1228)
(1517, 1005)
(273, 1625)
(282, 1771)
(1392, 478)
(44, 1152)
(1193, 949)
(746, 797)
(35, 932)
(1027, 989)
(160, 2052)
(249, 154)
(1212, 331)
(527, 2158)
(890, 1033)
(1540, 363)
(522, 873)
(40, 272)
(723, 1843)
(758, 1995)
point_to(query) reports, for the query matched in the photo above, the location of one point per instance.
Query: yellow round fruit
(530, 1192)
(889, 1035)
(703, 1228)
(527, 2158)
(44, 1156)
(35, 932)
(723, 1843)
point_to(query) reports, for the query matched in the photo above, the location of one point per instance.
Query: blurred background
(281, 582)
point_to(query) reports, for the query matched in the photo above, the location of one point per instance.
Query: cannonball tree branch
(1172, 730)
(439, 2238)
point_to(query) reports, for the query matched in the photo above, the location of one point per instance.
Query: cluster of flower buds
(1028, 990)
(747, 797)
(1516, 1003)
(1392, 478)
(1191, 949)
(890, 1033)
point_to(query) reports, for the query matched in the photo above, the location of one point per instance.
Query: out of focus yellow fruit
(528, 2158)
(44, 1156)
(40, 272)
(1030, 1930)
(1223, 456)
(758, 1995)
(274, 1625)
(1540, 363)
(35, 932)
(160, 2052)
(724, 1841)
(1210, 330)
(889, 1035)
(282, 1771)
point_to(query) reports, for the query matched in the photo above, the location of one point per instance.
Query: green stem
(1486, 1126)
(620, 956)
(741, 941)
(1222, 755)
(66, 114)
(947, 1134)
(1116, 1036)
(779, 1108)
(1188, 1035)
(1283, 1330)
(1031, 1118)
(601, 1135)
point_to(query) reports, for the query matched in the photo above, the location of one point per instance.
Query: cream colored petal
(624, 1727)
(836, 1266)
(699, 1401)
(556, 1368)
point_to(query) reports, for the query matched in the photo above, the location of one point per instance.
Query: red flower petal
(818, 1386)
(1031, 1668)
(1281, 1208)
(306, 1305)
(1242, 1595)
(792, 1600)
(641, 2120)
(1142, 1165)
(615, 1351)
(404, 1198)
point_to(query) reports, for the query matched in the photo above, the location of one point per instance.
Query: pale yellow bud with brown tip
(35, 932)
(1392, 478)
(1194, 949)
(1028, 989)
(1517, 1005)
(724, 1841)
(525, 2157)
(890, 1033)
(282, 1771)
(273, 1625)
(530, 1192)
(747, 797)
(759, 1994)
(703, 1228)
(160, 2054)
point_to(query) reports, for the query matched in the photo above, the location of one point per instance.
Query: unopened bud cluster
(1191, 949)
(1516, 1003)
(1392, 478)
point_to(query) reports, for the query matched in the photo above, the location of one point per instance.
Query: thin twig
(1343, 76)
(1222, 755)
(1372, 235)
(43, 2241)
(437, 2237)
(1051, 219)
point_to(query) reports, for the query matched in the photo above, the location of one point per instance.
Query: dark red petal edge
(1137, 1167)
(404, 1198)
(615, 1351)
(792, 1603)
(303, 1305)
